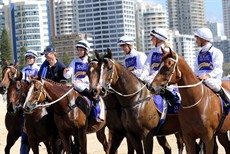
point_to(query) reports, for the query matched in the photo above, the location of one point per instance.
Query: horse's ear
(16, 65)
(6, 63)
(19, 78)
(89, 59)
(172, 52)
(97, 54)
(38, 76)
(163, 50)
(109, 53)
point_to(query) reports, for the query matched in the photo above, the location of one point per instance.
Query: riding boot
(225, 98)
(86, 93)
(171, 96)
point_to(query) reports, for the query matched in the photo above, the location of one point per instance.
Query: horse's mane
(57, 83)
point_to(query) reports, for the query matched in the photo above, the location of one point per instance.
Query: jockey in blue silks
(209, 63)
(78, 71)
(151, 66)
(30, 70)
(134, 60)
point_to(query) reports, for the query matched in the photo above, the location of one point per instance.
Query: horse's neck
(188, 78)
(126, 80)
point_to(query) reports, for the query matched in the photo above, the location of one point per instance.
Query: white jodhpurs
(214, 84)
(80, 86)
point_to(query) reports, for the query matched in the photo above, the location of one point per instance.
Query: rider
(78, 71)
(134, 60)
(209, 62)
(30, 70)
(151, 66)
(51, 68)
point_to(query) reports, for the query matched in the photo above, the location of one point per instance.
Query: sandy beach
(93, 147)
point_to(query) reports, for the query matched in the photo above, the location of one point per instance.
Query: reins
(53, 102)
(185, 86)
(111, 79)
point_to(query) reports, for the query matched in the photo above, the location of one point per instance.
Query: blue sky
(210, 6)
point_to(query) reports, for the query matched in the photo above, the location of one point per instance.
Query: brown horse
(71, 114)
(201, 111)
(9, 71)
(13, 118)
(39, 125)
(113, 109)
(139, 116)
(113, 116)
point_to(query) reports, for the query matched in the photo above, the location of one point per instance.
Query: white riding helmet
(159, 33)
(31, 53)
(83, 44)
(204, 33)
(126, 40)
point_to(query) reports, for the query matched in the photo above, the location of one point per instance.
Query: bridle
(186, 86)
(46, 94)
(108, 87)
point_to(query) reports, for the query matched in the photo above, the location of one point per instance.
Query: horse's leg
(224, 141)
(82, 138)
(130, 147)
(136, 142)
(48, 148)
(102, 139)
(190, 144)
(56, 144)
(115, 141)
(148, 143)
(66, 142)
(164, 144)
(34, 146)
(209, 143)
(180, 142)
(11, 139)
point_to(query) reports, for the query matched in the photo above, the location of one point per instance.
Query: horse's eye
(109, 68)
(35, 89)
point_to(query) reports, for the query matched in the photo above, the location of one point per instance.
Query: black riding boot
(224, 97)
(86, 93)
(171, 96)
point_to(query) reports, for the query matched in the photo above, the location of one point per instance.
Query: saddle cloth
(158, 101)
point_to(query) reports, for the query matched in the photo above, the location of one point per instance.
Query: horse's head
(36, 94)
(8, 73)
(94, 75)
(168, 73)
(16, 95)
(108, 72)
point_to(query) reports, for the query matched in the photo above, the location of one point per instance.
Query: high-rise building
(226, 14)
(185, 45)
(215, 27)
(107, 21)
(64, 17)
(148, 17)
(2, 17)
(186, 15)
(29, 26)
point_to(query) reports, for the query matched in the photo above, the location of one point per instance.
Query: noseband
(174, 69)
(108, 86)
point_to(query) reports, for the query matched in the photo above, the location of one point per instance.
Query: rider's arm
(70, 71)
(217, 64)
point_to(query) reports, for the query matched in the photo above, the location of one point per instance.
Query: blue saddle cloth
(158, 100)
(228, 110)
(94, 110)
